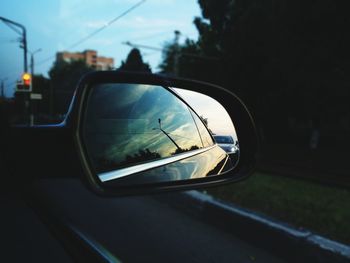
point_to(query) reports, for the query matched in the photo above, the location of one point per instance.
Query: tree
(206, 123)
(191, 62)
(134, 62)
(288, 60)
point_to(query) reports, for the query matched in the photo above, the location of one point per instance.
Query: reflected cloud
(219, 122)
(137, 123)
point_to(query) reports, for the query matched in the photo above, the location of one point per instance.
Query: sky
(55, 25)
(219, 120)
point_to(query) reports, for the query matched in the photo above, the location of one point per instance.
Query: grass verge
(321, 209)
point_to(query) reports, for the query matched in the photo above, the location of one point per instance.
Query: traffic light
(27, 79)
(25, 85)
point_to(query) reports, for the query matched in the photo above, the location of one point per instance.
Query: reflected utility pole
(171, 139)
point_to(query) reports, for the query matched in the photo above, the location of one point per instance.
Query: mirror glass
(216, 118)
(147, 133)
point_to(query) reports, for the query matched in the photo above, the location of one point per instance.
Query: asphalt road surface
(134, 229)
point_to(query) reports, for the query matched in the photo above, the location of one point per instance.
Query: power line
(150, 54)
(41, 62)
(9, 40)
(88, 36)
(128, 43)
(95, 32)
(155, 35)
(106, 25)
(186, 54)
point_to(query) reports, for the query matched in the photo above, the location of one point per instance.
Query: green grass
(321, 209)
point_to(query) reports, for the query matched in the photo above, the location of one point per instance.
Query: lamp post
(33, 104)
(32, 53)
(21, 30)
(14, 25)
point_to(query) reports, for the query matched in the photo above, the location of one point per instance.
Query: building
(89, 57)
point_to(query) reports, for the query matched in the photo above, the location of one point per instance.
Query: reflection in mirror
(216, 118)
(136, 123)
(146, 133)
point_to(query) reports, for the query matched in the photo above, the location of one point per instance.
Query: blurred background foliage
(289, 62)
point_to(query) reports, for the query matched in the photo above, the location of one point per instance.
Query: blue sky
(54, 25)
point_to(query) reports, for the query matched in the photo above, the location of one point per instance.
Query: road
(134, 229)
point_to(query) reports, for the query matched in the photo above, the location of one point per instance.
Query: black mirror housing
(76, 122)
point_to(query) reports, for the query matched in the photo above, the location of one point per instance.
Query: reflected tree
(206, 123)
(141, 156)
(179, 150)
(106, 164)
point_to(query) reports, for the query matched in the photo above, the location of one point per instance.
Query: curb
(288, 242)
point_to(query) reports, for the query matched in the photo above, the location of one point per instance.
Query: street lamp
(14, 26)
(32, 53)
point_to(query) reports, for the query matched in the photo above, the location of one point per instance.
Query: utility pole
(21, 30)
(13, 25)
(2, 87)
(33, 104)
(177, 52)
(32, 60)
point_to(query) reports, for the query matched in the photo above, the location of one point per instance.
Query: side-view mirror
(137, 133)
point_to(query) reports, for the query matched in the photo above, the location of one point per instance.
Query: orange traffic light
(25, 84)
(27, 79)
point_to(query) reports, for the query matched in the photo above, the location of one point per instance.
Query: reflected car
(227, 143)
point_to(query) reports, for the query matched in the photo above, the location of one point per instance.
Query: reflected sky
(127, 122)
(219, 122)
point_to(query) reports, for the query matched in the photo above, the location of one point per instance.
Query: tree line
(288, 60)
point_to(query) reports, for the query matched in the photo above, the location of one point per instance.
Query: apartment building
(90, 58)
